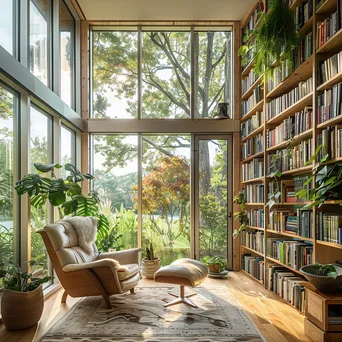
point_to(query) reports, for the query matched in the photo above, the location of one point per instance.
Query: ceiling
(138, 10)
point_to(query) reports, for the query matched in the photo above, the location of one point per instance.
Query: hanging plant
(241, 215)
(273, 41)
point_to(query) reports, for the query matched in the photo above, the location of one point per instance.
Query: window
(7, 25)
(67, 48)
(8, 139)
(68, 149)
(160, 80)
(39, 28)
(40, 152)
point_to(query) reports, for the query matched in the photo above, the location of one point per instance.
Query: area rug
(142, 317)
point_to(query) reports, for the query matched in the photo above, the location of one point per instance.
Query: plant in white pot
(150, 264)
(22, 300)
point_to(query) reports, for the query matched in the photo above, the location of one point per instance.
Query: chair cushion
(126, 274)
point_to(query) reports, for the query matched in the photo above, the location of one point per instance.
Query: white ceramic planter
(150, 267)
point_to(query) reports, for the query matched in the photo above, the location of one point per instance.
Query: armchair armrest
(129, 256)
(112, 264)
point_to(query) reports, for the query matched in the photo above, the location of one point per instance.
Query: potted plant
(241, 215)
(216, 264)
(22, 299)
(150, 264)
(325, 278)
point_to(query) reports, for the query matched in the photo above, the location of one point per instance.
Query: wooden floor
(276, 320)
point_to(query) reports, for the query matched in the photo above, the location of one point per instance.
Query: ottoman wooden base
(181, 298)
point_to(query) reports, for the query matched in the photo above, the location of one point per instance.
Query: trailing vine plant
(240, 215)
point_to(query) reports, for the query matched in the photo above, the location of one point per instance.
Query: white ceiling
(137, 10)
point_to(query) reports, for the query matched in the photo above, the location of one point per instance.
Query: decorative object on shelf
(150, 264)
(222, 111)
(274, 39)
(22, 299)
(240, 215)
(217, 266)
(325, 278)
(328, 181)
(274, 195)
(66, 195)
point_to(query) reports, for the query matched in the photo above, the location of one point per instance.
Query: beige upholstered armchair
(81, 270)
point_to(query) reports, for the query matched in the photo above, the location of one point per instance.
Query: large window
(39, 37)
(8, 139)
(67, 46)
(155, 69)
(68, 149)
(7, 25)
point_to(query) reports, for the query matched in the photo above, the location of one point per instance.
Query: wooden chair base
(181, 298)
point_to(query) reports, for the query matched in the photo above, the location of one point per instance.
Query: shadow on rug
(142, 317)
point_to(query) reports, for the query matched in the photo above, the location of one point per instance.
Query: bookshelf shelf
(333, 44)
(256, 228)
(255, 204)
(330, 83)
(258, 107)
(300, 170)
(295, 4)
(290, 235)
(302, 73)
(334, 121)
(330, 244)
(255, 132)
(248, 68)
(276, 261)
(252, 250)
(250, 276)
(292, 203)
(253, 180)
(254, 156)
(326, 7)
(249, 92)
(306, 28)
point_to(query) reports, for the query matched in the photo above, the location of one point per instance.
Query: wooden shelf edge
(332, 44)
(252, 134)
(253, 251)
(253, 111)
(330, 83)
(329, 244)
(253, 180)
(256, 228)
(254, 156)
(290, 235)
(281, 264)
(249, 92)
(333, 121)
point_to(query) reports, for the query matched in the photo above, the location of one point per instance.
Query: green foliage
(274, 40)
(150, 253)
(16, 280)
(215, 260)
(241, 215)
(327, 270)
(273, 197)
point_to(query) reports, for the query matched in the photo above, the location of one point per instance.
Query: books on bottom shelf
(293, 253)
(253, 240)
(329, 227)
(287, 285)
(253, 265)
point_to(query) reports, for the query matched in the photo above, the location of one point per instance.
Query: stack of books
(252, 146)
(253, 169)
(329, 104)
(254, 193)
(252, 124)
(330, 68)
(253, 265)
(329, 227)
(253, 240)
(255, 217)
(331, 141)
(247, 82)
(252, 101)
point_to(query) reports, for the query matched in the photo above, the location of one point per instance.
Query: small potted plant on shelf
(22, 299)
(150, 264)
(325, 278)
(217, 265)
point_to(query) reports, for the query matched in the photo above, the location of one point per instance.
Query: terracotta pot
(150, 267)
(215, 268)
(21, 310)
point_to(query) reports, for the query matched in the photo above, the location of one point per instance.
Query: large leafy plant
(273, 41)
(215, 260)
(241, 215)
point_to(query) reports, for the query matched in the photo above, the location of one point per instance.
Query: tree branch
(216, 96)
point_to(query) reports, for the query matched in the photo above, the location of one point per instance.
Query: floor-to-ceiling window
(68, 149)
(7, 25)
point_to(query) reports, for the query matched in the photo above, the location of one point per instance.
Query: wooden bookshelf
(249, 92)
(252, 250)
(324, 252)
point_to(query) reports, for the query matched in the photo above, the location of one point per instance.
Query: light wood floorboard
(276, 320)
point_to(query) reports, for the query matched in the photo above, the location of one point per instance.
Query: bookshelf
(314, 66)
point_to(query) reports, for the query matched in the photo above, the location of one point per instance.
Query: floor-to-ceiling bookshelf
(260, 152)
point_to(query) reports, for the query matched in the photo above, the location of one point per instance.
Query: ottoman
(183, 272)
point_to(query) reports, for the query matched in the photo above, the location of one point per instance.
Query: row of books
(290, 127)
(290, 158)
(328, 27)
(253, 169)
(304, 50)
(329, 68)
(287, 285)
(252, 124)
(329, 104)
(253, 100)
(303, 13)
(279, 104)
(293, 253)
(254, 240)
(247, 82)
(298, 222)
(253, 19)
(253, 265)
(254, 193)
(329, 227)
(331, 141)
(252, 146)
(255, 217)
(279, 74)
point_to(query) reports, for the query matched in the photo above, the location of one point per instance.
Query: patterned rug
(142, 317)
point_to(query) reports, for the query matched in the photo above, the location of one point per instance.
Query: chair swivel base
(181, 298)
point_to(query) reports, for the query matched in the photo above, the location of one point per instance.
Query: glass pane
(39, 21)
(67, 41)
(213, 202)
(213, 62)
(68, 145)
(116, 179)
(166, 196)
(7, 25)
(166, 75)
(115, 70)
(40, 152)
(7, 156)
